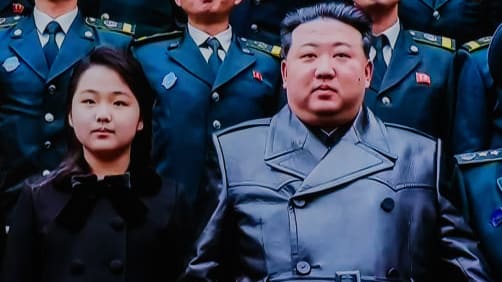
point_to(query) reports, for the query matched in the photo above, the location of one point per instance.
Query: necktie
(51, 48)
(214, 60)
(379, 65)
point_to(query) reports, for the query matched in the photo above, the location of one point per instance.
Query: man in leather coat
(324, 190)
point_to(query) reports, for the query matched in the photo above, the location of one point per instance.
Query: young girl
(104, 214)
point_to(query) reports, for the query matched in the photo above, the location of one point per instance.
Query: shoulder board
(9, 21)
(273, 50)
(478, 44)
(479, 157)
(158, 37)
(245, 124)
(434, 40)
(411, 129)
(122, 27)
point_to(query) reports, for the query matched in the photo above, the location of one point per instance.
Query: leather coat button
(387, 204)
(117, 224)
(393, 273)
(303, 267)
(77, 267)
(299, 203)
(116, 266)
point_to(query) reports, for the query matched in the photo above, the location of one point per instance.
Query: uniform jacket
(33, 97)
(149, 16)
(369, 209)
(191, 103)
(463, 20)
(478, 180)
(10, 8)
(478, 113)
(79, 229)
(417, 88)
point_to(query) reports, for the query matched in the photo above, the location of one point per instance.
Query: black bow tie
(86, 190)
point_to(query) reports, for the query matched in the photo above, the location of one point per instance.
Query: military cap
(495, 56)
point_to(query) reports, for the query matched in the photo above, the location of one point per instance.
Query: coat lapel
(26, 44)
(187, 54)
(286, 146)
(292, 149)
(237, 60)
(404, 59)
(77, 44)
(362, 151)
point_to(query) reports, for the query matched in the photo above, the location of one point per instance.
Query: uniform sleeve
(471, 124)
(461, 259)
(20, 254)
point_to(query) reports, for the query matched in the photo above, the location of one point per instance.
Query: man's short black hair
(343, 11)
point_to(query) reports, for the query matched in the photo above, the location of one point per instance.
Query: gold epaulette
(434, 40)
(9, 21)
(157, 37)
(273, 50)
(122, 27)
(479, 157)
(477, 44)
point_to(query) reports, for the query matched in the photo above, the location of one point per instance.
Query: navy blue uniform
(418, 85)
(478, 180)
(260, 19)
(462, 20)
(478, 115)
(191, 103)
(152, 16)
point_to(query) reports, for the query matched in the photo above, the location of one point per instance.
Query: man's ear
(368, 73)
(284, 73)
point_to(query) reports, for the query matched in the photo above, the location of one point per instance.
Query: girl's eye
(87, 101)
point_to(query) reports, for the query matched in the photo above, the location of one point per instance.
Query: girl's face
(105, 114)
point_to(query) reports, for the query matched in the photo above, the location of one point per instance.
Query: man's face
(326, 73)
(207, 9)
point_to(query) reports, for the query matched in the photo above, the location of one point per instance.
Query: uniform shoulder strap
(273, 50)
(102, 24)
(479, 157)
(477, 44)
(433, 40)
(9, 21)
(158, 37)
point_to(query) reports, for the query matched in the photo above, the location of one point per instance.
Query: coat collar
(293, 149)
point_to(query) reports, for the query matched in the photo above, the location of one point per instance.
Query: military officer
(412, 81)
(478, 113)
(9, 8)
(35, 64)
(149, 16)
(462, 20)
(194, 96)
(478, 181)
